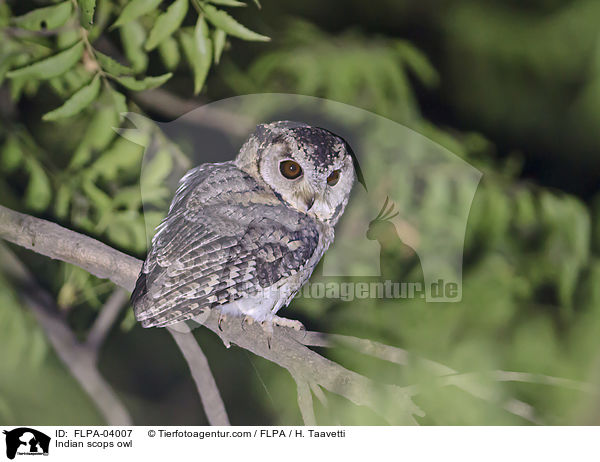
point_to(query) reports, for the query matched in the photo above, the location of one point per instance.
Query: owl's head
(309, 168)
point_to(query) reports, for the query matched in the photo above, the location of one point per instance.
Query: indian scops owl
(244, 236)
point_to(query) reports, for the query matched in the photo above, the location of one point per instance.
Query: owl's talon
(247, 320)
(290, 323)
(267, 327)
(303, 329)
(222, 317)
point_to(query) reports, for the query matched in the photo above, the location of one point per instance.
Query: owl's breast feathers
(225, 238)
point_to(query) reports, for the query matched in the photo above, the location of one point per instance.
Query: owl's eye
(333, 178)
(290, 169)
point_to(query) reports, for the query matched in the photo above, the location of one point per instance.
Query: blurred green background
(511, 87)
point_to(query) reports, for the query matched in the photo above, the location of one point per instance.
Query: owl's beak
(309, 202)
(307, 195)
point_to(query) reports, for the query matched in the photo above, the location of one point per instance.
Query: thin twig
(400, 356)
(194, 112)
(305, 402)
(316, 389)
(205, 382)
(526, 377)
(369, 347)
(79, 359)
(106, 318)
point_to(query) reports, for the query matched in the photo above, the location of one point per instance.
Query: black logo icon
(28, 441)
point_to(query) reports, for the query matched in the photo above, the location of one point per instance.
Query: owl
(244, 236)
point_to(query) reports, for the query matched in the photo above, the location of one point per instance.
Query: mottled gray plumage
(241, 237)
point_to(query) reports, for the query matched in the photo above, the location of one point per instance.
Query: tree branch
(393, 403)
(58, 243)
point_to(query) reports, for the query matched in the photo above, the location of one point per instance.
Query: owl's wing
(224, 238)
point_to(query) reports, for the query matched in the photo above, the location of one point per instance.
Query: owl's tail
(138, 294)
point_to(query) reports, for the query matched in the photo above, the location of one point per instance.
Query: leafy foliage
(313, 63)
(68, 47)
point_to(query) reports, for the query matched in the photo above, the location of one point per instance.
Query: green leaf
(167, 23)
(418, 63)
(133, 37)
(87, 8)
(49, 17)
(134, 10)
(156, 196)
(128, 322)
(200, 61)
(120, 102)
(31, 88)
(71, 81)
(128, 197)
(142, 134)
(200, 35)
(62, 201)
(11, 155)
(219, 38)
(227, 2)
(50, 67)
(169, 53)
(121, 156)
(111, 66)
(5, 65)
(126, 229)
(144, 84)
(120, 234)
(38, 192)
(156, 170)
(221, 20)
(98, 133)
(5, 14)
(98, 197)
(16, 88)
(68, 37)
(76, 103)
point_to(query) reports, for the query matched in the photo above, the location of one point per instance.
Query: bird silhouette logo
(383, 230)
